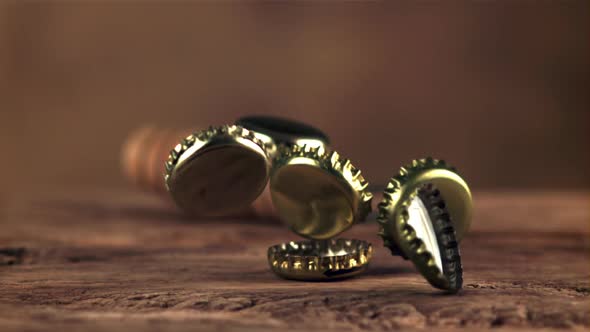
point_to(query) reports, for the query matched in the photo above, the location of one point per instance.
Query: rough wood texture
(123, 262)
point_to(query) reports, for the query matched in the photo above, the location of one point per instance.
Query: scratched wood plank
(97, 260)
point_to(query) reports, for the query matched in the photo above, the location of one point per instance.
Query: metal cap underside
(219, 178)
(429, 241)
(320, 260)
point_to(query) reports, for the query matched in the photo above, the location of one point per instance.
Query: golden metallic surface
(317, 193)
(217, 171)
(453, 188)
(393, 212)
(320, 260)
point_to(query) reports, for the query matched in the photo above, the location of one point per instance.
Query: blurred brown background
(499, 89)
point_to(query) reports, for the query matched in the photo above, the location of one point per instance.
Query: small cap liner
(320, 260)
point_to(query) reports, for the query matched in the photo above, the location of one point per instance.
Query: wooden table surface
(124, 261)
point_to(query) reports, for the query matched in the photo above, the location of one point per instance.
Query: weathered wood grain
(97, 261)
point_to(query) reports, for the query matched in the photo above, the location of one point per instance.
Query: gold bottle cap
(217, 171)
(282, 131)
(318, 194)
(320, 260)
(426, 210)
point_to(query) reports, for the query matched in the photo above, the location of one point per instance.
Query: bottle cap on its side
(425, 212)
